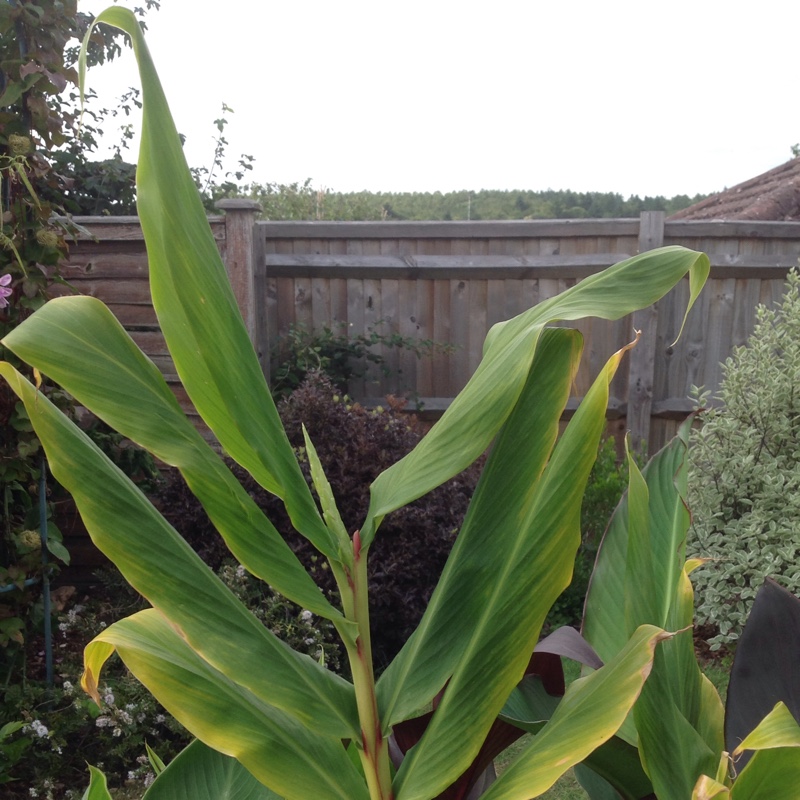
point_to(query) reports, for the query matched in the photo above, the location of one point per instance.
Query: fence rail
(450, 281)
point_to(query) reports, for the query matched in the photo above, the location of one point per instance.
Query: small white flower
(68, 687)
(38, 727)
(306, 615)
(240, 571)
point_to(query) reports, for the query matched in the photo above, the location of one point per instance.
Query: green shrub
(355, 445)
(45, 756)
(745, 472)
(341, 356)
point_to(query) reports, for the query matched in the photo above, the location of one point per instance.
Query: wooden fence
(450, 281)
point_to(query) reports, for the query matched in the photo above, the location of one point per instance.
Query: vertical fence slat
(643, 356)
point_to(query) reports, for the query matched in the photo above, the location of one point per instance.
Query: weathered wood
(740, 229)
(451, 281)
(642, 358)
(449, 230)
(240, 259)
(427, 267)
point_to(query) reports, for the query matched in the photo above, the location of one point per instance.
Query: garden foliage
(354, 445)
(216, 668)
(679, 743)
(745, 472)
(338, 354)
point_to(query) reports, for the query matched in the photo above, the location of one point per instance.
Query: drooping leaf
(486, 402)
(81, 346)
(293, 758)
(162, 567)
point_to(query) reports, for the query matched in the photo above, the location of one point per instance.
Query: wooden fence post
(643, 356)
(241, 255)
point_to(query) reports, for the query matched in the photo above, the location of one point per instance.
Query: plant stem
(374, 748)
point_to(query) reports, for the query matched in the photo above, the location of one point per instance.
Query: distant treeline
(300, 201)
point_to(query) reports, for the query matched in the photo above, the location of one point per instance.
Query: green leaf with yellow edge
(592, 710)
(489, 533)
(513, 558)
(196, 307)
(292, 758)
(486, 402)
(80, 344)
(162, 567)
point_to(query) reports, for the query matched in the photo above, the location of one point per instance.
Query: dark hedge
(354, 445)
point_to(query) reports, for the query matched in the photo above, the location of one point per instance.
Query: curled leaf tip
(89, 685)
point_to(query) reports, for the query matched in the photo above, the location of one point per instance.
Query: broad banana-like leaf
(765, 666)
(196, 308)
(80, 344)
(200, 773)
(590, 713)
(292, 758)
(486, 402)
(159, 564)
(615, 590)
(640, 577)
(512, 559)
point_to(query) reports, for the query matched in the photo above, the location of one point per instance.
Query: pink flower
(5, 280)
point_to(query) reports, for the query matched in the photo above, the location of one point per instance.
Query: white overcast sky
(634, 97)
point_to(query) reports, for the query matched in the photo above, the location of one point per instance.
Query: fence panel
(450, 282)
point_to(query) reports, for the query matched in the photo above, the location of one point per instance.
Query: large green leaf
(615, 589)
(81, 345)
(590, 713)
(479, 555)
(196, 307)
(640, 577)
(290, 757)
(159, 564)
(512, 559)
(489, 397)
(200, 773)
